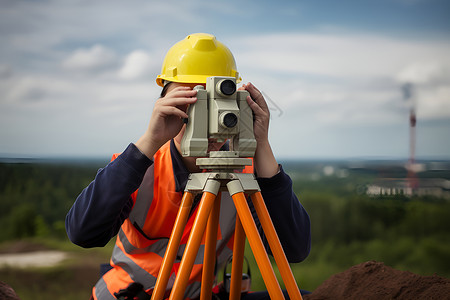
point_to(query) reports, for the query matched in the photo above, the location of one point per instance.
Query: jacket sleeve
(101, 208)
(289, 217)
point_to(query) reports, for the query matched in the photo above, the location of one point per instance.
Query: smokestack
(412, 180)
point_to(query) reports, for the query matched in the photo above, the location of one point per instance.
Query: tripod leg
(210, 251)
(172, 247)
(256, 244)
(275, 246)
(195, 238)
(238, 260)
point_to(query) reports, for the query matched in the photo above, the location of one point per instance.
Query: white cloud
(138, 64)
(434, 103)
(425, 72)
(21, 90)
(95, 58)
(348, 78)
(430, 88)
(337, 55)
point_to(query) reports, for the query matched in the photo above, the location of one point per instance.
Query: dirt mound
(374, 280)
(7, 292)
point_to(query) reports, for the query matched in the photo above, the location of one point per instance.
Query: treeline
(348, 227)
(362, 218)
(35, 197)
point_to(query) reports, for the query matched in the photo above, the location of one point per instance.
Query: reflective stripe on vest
(159, 247)
(143, 199)
(101, 291)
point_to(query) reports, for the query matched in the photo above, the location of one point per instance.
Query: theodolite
(221, 112)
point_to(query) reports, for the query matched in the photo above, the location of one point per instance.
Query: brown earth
(374, 280)
(7, 292)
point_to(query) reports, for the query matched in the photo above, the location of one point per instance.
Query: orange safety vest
(144, 235)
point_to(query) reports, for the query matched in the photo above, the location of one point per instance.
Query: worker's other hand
(166, 120)
(261, 112)
(264, 161)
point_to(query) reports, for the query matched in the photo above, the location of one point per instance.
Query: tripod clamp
(215, 181)
(223, 165)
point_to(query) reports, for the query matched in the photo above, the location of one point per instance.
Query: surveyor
(137, 195)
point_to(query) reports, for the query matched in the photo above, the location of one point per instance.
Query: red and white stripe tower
(413, 181)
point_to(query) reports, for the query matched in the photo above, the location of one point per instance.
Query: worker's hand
(261, 112)
(166, 120)
(264, 160)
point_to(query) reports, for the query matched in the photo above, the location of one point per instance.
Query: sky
(77, 78)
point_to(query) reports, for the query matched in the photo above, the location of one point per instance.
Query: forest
(348, 226)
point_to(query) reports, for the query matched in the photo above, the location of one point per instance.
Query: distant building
(437, 187)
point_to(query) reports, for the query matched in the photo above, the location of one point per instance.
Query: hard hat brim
(200, 79)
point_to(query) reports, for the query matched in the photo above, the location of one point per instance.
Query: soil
(374, 280)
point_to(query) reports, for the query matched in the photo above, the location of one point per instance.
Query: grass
(75, 277)
(308, 274)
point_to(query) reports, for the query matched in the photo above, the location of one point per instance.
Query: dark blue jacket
(101, 208)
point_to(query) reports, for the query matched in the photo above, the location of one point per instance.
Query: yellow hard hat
(196, 58)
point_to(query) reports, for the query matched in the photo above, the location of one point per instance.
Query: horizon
(68, 158)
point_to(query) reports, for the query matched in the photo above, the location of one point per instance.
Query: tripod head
(222, 113)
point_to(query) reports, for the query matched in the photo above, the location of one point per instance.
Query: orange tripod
(211, 184)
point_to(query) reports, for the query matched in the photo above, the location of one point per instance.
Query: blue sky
(77, 77)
